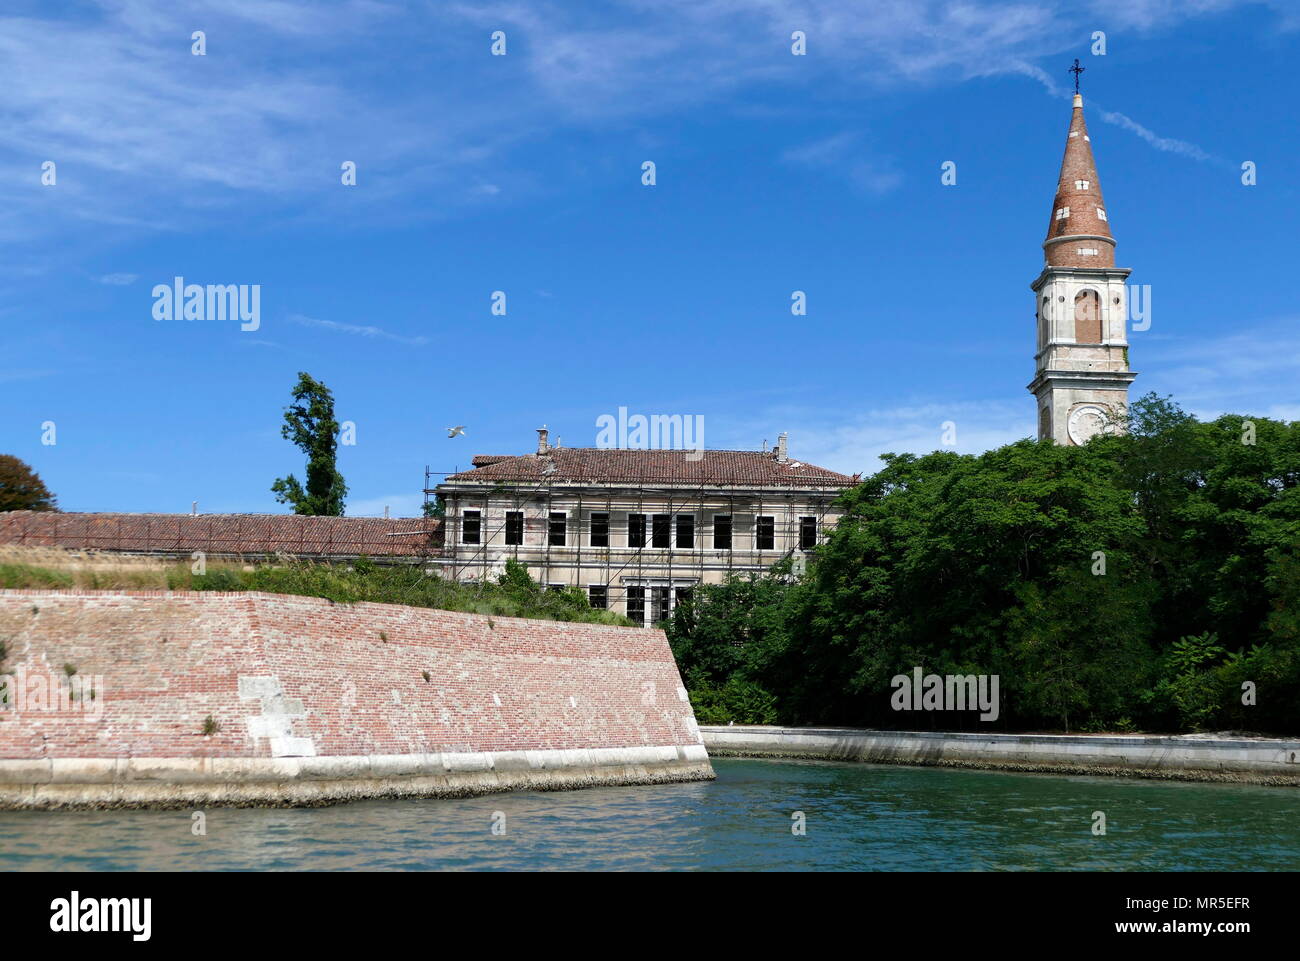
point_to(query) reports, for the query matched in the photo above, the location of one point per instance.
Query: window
(765, 534)
(598, 594)
(559, 522)
(514, 527)
(471, 526)
(661, 606)
(1081, 185)
(636, 530)
(807, 533)
(555, 588)
(722, 532)
(661, 531)
(1063, 213)
(683, 595)
(636, 605)
(1101, 214)
(686, 530)
(600, 530)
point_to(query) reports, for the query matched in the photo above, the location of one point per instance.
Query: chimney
(781, 457)
(542, 434)
(194, 508)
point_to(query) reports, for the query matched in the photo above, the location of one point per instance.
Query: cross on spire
(1076, 70)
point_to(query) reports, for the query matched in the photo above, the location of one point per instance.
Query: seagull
(453, 431)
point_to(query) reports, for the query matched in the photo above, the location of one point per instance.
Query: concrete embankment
(1245, 760)
(154, 698)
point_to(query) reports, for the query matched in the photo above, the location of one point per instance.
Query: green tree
(1191, 682)
(724, 629)
(21, 488)
(944, 562)
(309, 422)
(1079, 649)
(1148, 579)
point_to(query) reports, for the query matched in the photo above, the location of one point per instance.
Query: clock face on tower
(1086, 421)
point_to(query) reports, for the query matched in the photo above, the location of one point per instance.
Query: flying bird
(453, 431)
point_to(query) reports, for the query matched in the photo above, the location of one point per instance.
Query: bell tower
(1082, 370)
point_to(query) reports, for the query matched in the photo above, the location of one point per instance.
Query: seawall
(1239, 760)
(154, 698)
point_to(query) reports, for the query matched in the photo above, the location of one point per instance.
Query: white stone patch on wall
(275, 723)
(692, 728)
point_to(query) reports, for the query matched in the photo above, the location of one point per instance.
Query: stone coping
(177, 782)
(1164, 740)
(1266, 761)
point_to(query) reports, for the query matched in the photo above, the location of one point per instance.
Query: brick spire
(1078, 235)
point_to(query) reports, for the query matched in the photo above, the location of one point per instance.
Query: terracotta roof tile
(620, 466)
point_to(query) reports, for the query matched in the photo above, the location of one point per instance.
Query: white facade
(632, 550)
(1082, 368)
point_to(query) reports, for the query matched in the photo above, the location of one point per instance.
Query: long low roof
(589, 465)
(222, 533)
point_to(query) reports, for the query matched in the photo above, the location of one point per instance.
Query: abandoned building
(634, 529)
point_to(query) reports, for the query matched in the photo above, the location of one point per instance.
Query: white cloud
(357, 329)
(1167, 144)
(1251, 370)
(843, 154)
(399, 505)
(149, 137)
(16, 374)
(119, 280)
(853, 443)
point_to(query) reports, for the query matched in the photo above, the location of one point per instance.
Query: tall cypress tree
(309, 422)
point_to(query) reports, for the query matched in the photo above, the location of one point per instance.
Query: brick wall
(298, 676)
(226, 534)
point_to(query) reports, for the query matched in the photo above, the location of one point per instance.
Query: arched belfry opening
(1087, 317)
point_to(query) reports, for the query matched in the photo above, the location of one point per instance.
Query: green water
(859, 818)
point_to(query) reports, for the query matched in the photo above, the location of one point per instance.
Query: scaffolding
(660, 570)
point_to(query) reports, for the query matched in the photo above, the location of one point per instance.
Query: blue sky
(522, 173)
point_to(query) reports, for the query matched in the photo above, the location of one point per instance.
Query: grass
(514, 595)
